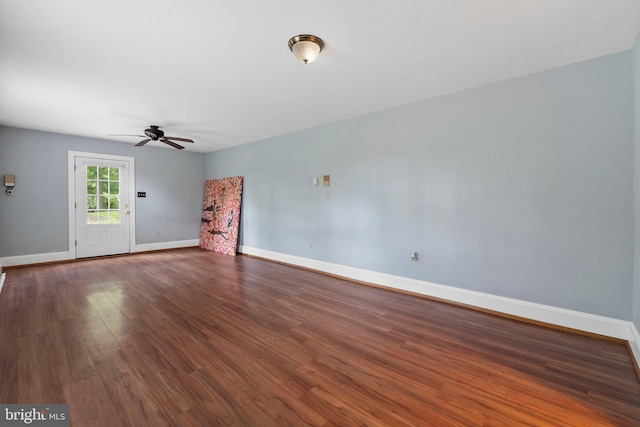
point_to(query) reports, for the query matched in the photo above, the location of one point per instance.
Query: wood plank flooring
(192, 338)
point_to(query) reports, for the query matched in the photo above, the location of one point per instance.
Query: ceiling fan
(154, 133)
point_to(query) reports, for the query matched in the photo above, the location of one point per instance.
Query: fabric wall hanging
(221, 215)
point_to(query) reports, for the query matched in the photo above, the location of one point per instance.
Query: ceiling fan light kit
(306, 47)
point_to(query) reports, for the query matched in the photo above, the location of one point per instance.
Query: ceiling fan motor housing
(154, 133)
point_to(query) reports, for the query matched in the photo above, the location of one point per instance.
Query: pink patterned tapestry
(221, 215)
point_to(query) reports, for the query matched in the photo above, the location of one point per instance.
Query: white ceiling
(221, 72)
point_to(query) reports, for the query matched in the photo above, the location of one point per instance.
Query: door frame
(72, 196)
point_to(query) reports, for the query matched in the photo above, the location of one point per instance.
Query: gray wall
(636, 188)
(522, 189)
(34, 219)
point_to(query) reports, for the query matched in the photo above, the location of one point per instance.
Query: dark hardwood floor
(192, 338)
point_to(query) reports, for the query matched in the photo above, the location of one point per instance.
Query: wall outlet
(414, 256)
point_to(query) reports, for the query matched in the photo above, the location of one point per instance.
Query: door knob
(127, 212)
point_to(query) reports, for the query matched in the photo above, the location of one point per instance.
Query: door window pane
(104, 203)
(114, 174)
(92, 172)
(114, 202)
(92, 217)
(104, 172)
(103, 217)
(92, 203)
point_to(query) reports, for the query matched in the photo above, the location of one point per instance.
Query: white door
(102, 206)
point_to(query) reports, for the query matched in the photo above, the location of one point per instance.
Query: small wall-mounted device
(9, 183)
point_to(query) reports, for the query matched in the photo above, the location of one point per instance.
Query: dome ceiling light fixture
(306, 47)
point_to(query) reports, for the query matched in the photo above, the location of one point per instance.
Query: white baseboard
(65, 256)
(165, 245)
(36, 258)
(572, 319)
(634, 344)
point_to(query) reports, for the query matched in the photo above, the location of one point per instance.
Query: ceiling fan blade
(122, 134)
(173, 144)
(178, 139)
(144, 141)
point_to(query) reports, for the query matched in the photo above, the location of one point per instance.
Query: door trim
(72, 196)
